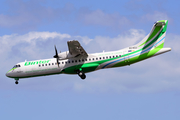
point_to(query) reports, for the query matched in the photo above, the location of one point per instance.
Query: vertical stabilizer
(156, 37)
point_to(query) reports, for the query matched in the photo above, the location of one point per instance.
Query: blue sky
(29, 29)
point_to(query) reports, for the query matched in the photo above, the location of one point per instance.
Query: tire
(16, 82)
(83, 76)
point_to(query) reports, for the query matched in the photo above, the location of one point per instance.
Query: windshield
(16, 66)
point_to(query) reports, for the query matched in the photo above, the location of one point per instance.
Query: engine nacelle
(65, 55)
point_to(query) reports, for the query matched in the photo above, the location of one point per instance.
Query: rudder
(156, 37)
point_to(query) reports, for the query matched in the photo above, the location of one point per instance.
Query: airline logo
(36, 62)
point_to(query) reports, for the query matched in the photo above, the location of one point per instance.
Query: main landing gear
(81, 74)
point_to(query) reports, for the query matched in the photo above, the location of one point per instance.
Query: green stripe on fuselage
(86, 67)
(11, 69)
(140, 57)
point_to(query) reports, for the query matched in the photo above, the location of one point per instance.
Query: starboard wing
(76, 49)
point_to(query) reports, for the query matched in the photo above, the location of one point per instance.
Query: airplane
(78, 61)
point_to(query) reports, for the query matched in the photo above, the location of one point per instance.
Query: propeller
(56, 55)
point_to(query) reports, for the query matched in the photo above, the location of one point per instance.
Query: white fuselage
(49, 66)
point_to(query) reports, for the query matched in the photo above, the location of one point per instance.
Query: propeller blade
(56, 55)
(57, 61)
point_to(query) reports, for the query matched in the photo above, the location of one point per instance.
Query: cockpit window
(16, 66)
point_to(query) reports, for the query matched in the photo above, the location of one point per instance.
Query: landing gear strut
(81, 74)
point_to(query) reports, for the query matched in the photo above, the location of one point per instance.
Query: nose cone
(8, 74)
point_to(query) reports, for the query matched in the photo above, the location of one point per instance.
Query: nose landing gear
(81, 74)
(16, 82)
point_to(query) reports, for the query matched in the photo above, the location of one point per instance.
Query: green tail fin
(158, 32)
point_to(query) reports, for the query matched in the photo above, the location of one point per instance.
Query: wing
(76, 49)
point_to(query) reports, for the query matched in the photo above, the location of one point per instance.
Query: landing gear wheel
(16, 82)
(81, 74)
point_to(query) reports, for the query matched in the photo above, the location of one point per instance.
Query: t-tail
(156, 37)
(152, 44)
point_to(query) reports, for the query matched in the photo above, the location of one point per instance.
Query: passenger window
(106, 57)
(46, 64)
(69, 61)
(42, 64)
(72, 61)
(119, 55)
(86, 59)
(39, 65)
(52, 63)
(116, 55)
(82, 60)
(109, 56)
(55, 63)
(79, 60)
(66, 62)
(93, 59)
(103, 57)
(89, 59)
(49, 64)
(113, 56)
(96, 58)
(75, 60)
(100, 58)
(62, 62)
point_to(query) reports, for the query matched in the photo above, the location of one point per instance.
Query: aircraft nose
(7, 74)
